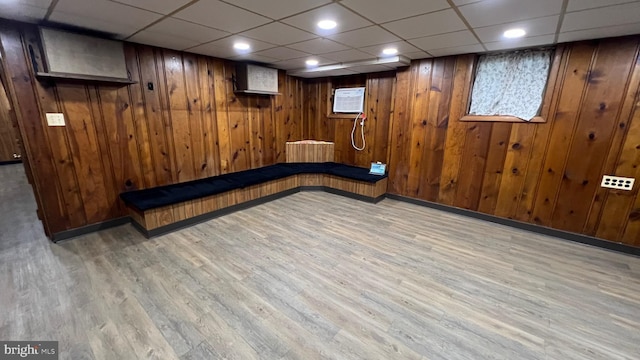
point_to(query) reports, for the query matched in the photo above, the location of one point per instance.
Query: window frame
(543, 113)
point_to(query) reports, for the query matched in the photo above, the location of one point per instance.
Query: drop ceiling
(283, 33)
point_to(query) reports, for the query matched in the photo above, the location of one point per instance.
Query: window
(510, 85)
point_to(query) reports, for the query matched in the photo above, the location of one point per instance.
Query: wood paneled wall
(190, 126)
(319, 125)
(9, 140)
(547, 174)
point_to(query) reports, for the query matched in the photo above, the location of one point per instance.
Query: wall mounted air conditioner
(73, 56)
(254, 79)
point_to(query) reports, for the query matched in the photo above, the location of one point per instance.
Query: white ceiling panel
(278, 9)
(467, 49)
(609, 31)
(464, 2)
(228, 42)
(160, 6)
(36, 3)
(282, 53)
(221, 16)
(458, 38)
(385, 11)
(300, 63)
(103, 16)
(347, 55)
(493, 12)
(346, 20)
(255, 57)
(318, 46)
(164, 41)
(416, 55)
(372, 35)
(22, 12)
(575, 5)
(520, 43)
(402, 46)
(426, 25)
(215, 51)
(193, 33)
(533, 27)
(279, 33)
(601, 17)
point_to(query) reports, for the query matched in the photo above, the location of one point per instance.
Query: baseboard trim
(68, 234)
(565, 235)
(342, 193)
(10, 162)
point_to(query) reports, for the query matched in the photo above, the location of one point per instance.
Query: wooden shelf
(78, 78)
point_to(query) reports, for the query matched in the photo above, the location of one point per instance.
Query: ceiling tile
(160, 6)
(347, 55)
(533, 27)
(370, 68)
(417, 55)
(590, 4)
(300, 63)
(215, 51)
(214, 13)
(37, 3)
(279, 33)
(602, 32)
(384, 11)
(102, 15)
(467, 49)
(278, 9)
(318, 46)
(228, 42)
(464, 2)
(22, 11)
(608, 16)
(458, 38)
(426, 25)
(493, 12)
(282, 53)
(255, 57)
(520, 43)
(178, 29)
(402, 46)
(372, 35)
(165, 41)
(346, 20)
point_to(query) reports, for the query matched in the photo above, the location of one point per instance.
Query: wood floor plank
(315, 276)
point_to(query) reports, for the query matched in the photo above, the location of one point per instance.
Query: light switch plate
(617, 182)
(55, 119)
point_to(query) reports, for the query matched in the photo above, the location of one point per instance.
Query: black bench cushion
(176, 193)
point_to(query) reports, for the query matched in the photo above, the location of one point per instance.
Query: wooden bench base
(165, 219)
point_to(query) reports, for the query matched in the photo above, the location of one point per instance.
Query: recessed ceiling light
(327, 24)
(390, 51)
(241, 46)
(514, 33)
(312, 62)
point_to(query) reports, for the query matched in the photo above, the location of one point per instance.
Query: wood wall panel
(187, 125)
(9, 138)
(544, 173)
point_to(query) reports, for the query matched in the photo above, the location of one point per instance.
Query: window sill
(342, 116)
(537, 119)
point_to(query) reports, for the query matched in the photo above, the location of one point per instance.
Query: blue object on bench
(146, 199)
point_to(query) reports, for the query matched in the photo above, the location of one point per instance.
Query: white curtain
(510, 83)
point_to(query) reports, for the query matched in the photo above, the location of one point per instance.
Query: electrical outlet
(617, 182)
(55, 119)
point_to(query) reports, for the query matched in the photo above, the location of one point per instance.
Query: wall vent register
(617, 182)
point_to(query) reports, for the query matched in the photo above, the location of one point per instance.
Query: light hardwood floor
(314, 276)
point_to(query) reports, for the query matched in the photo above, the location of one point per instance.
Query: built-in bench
(163, 209)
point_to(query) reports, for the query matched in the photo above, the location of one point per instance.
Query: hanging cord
(353, 131)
